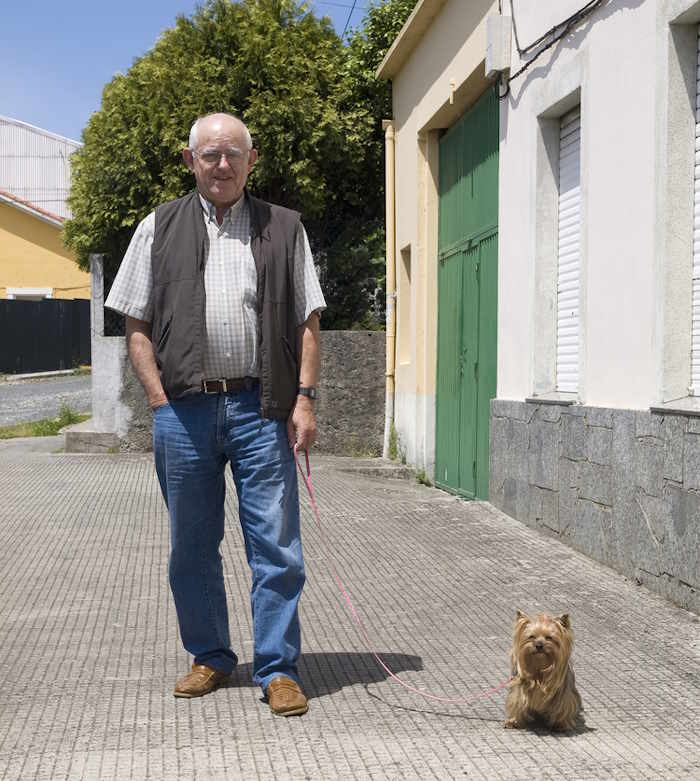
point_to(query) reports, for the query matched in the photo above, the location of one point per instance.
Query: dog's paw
(511, 724)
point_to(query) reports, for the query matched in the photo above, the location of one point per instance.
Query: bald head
(220, 155)
(208, 121)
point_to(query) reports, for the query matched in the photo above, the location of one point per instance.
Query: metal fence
(44, 335)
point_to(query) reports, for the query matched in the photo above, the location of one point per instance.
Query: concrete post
(97, 294)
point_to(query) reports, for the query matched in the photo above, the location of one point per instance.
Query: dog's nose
(539, 645)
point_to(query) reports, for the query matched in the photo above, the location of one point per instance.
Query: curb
(37, 375)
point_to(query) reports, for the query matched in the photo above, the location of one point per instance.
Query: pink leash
(457, 700)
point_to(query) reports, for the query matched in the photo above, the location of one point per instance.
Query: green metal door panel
(486, 373)
(468, 174)
(451, 186)
(469, 357)
(484, 134)
(448, 388)
(467, 298)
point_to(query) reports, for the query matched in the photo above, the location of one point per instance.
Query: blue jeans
(193, 438)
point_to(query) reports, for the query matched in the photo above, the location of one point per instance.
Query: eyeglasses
(213, 156)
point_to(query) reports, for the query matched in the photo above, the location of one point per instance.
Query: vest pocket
(162, 337)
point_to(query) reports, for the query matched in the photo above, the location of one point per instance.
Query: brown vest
(178, 256)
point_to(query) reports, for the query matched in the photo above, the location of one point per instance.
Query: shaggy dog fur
(543, 689)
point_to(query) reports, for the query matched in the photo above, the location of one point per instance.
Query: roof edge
(35, 129)
(30, 208)
(413, 30)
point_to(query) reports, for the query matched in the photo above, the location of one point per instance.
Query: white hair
(194, 131)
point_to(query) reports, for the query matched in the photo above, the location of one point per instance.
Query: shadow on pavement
(327, 673)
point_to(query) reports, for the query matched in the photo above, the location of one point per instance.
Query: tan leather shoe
(286, 698)
(201, 680)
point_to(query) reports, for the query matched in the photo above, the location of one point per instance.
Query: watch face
(310, 392)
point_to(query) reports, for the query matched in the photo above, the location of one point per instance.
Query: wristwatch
(311, 393)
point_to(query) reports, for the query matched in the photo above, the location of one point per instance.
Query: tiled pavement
(89, 649)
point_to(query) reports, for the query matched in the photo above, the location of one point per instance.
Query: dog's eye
(531, 637)
(548, 637)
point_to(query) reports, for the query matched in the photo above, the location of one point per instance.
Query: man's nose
(223, 161)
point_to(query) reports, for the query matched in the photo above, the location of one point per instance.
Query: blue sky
(56, 56)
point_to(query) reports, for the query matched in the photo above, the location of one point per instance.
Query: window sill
(564, 399)
(688, 405)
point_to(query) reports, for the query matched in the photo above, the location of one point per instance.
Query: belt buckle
(205, 383)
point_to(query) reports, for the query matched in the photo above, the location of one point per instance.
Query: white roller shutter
(695, 345)
(568, 278)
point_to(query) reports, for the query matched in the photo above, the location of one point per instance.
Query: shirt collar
(210, 210)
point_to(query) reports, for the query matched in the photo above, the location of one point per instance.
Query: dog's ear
(564, 620)
(520, 615)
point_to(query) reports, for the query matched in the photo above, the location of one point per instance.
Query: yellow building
(35, 170)
(34, 263)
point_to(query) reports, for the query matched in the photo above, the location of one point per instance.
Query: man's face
(221, 160)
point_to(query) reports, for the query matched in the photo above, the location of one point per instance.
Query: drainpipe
(388, 127)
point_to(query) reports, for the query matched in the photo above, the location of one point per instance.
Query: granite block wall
(349, 411)
(621, 486)
(350, 408)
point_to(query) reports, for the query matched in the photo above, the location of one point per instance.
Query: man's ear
(252, 157)
(188, 158)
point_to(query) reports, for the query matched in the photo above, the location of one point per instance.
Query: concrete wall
(109, 412)
(622, 486)
(350, 408)
(32, 255)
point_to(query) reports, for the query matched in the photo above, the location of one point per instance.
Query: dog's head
(541, 646)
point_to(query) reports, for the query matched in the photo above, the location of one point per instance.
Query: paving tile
(90, 650)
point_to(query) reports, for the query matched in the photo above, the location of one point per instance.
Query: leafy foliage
(314, 110)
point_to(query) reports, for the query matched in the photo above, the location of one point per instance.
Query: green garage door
(467, 299)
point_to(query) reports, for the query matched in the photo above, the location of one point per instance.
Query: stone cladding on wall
(621, 486)
(350, 415)
(350, 407)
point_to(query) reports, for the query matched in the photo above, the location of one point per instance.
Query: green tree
(288, 75)
(355, 258)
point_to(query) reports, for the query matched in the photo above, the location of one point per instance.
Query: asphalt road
(22, 401)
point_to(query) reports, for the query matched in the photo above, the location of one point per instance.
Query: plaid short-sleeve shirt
(230, 282)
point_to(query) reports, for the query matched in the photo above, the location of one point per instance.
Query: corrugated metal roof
(35, 166)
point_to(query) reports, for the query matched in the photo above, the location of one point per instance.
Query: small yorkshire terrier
(543, 688)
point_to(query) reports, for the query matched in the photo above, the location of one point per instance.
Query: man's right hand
(140, 348)
(161, 401)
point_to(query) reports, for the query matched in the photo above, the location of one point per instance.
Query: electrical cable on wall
(557, 32)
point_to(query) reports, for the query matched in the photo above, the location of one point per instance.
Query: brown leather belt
(232, 385)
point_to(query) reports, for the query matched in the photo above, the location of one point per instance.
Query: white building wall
(610, 65)
(626, 66)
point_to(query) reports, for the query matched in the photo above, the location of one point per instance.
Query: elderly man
(222, 308)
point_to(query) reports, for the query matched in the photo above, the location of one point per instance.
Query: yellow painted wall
(32, 255)
(441, 77)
